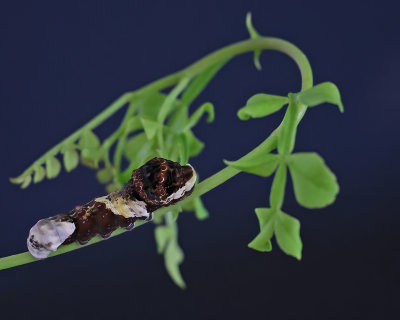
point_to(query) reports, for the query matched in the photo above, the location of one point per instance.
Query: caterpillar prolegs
(158, 183)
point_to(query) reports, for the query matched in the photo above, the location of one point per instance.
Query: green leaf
(88, 140)
(261, 164)
(200, 82)
(137, 147)
(114, 186)
(17, 180)
(150, 105)
(200, 210)
(287, 233)
(195, 146)
(90, 163)
(133, 124)
(39, 175)
(262, 242)
(175, 213)
(26, 182)
(150, 128)
(173, 258)
(105, 175)
(53, 167)
(71, 159)
(138, 150)
(261, 105)
(162, 235)
(205, 108)
(158, 218)
(254, 35)
(315, 186)
(326, 92)
(92, 154)
(178, 120)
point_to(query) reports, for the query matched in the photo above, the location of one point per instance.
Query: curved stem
(223, 175)
(224, 54)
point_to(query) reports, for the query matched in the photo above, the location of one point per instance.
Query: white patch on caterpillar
(138, 208)
(47, 235)
(187, 187)
(124, 207)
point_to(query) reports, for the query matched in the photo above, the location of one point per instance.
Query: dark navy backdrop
(62, 63)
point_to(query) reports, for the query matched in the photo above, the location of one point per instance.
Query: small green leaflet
(196, 205)
(315, 186)
(150, 128)
(173, 258)
(138, 149)
(178, 120)
(261, 105)
(287, 233)
(262, 242)
(167, 243)
(39, 175)
(162, 235)
(285, 227)
(150, 105)
(253, 35)
(261, 164)
(17, 180)
(200, 210)
(326, 92)
(113, 186)
(89, 162)
(53, 167)
(133, 124)
(26, 182)
(71, 159)
(88, 140)
(195, 146)
(204, 108)
(93, 154)
(105, 175)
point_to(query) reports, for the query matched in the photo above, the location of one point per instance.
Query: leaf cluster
(315, 186)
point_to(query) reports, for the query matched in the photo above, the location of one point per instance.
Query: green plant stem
(218, 178)
(124, 133)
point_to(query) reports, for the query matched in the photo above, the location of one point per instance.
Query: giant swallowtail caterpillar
(158, 183)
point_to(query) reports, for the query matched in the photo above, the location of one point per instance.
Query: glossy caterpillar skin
(158, 183)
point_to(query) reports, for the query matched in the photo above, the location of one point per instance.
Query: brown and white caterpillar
(158, 183)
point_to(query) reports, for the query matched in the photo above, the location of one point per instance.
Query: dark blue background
(63, 62)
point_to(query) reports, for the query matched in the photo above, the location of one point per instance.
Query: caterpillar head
(160, 182)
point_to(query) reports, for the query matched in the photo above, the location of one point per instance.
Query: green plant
(158, 124)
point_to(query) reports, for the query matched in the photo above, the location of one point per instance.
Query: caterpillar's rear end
(158, 183)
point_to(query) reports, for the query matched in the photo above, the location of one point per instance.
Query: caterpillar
(158, 183)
